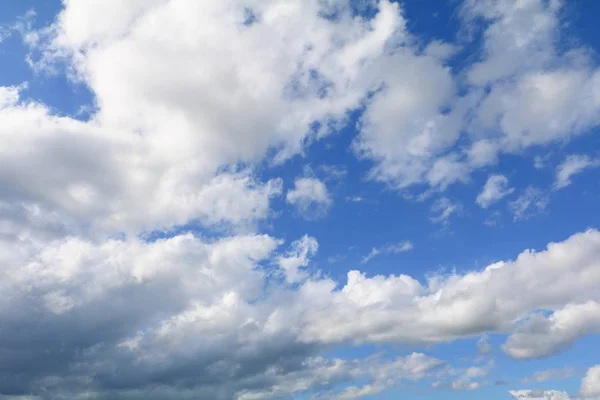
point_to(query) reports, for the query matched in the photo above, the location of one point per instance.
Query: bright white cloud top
(141, 250)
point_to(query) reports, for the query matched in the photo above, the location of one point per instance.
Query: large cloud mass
(190, 98)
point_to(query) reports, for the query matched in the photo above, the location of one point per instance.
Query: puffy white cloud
(590, 385)
(310, 197)
(96, 305)
(190, 97)
(298, 257)
(495, 188)
(90, 175)
(465, 305)
(572, 165)
(523, 92)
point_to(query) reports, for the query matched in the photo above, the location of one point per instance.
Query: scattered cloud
(494, 190)
(530, 203)
(550, 375)
(400, 247)
(310, 197)
(573, 165)
(443, 209)
(483, 346)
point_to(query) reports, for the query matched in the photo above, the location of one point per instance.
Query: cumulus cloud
(573, 165)
(298, 257)
(190, 99)
(590, 385)
(495, 188)
(310, 197)
(526, 90)
(163, 295)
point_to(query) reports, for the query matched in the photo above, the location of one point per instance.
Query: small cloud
(388, 249)
(494, 190)
(550, 375)
(573, 165)
(483, 346)
(530, 203)
(354, 199)
(310, 197)
(444, 208)
(541, 162)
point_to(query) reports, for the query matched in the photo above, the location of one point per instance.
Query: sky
(299, 199)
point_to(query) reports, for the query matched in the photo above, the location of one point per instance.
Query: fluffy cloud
(298, 257)
(495, 188)
(190, 97)
(464, 305)
(590, 386)
(572, 165)
(540, 335)
(310, 197)
(523, 92)
(69, 296)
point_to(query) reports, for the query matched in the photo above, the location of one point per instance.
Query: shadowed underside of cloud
(189, 314)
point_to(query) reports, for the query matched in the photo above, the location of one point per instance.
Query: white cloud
(572, 165)
(590, 385)
(466, 381)
(540, 335)
(310, 197)
(400, 247)
(444, 208)
(524, 92)
(189, 101)
(539, 395)
(495, 188)
(530, 203)
(454, 306)
(298, 257)
(383, 375)
(550, 374)
(163, 295)
(483, 346)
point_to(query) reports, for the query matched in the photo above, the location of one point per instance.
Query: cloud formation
(132, 262)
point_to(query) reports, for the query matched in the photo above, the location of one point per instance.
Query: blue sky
(337, 200)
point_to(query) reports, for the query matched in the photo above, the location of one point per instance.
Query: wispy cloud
(400, 247)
